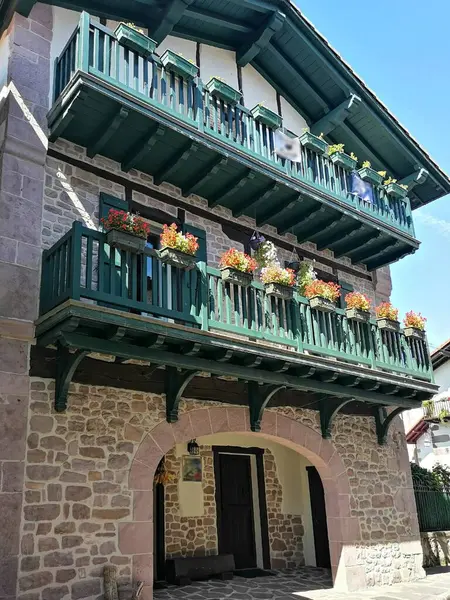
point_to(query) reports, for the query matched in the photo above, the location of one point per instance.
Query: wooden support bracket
(336, 117)
(65, 369)
(329, 408)
(103, 135)
(382, 423)
(260, 39)
(258, 398)
(175, 384)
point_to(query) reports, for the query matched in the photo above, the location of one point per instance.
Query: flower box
(223, 91)
(125, 241)
(178, 259)
(388, 324)
(356, 314)
(286, 292)
(313, 142)
(396, 190)
(370, 175)
(134, 40)
(341, 159)
(266, 116)
(237, 277)
(414, 332)
(179, 65)
(322, 304)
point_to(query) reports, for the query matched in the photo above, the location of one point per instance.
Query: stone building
(112, 361)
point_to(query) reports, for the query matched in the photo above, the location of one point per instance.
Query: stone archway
(136, 537)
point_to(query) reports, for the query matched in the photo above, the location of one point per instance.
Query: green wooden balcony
(83, 267)
(118, 103)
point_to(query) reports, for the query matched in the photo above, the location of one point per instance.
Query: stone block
(58, 559)
(12, 476)
(42, 472)
(110, 514)
(78, 493)
(8, 576)
(30, 563)
(43, 512)
(20, 219)
(65, 575)
(41, 424)
(10, 513)
(55, 593)
(81, 512)
(136, 538)
(8, 250)
(48, 544)
(86, 589)
(13, 425)
(35, 580)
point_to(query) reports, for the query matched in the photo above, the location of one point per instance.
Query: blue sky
(401, 51)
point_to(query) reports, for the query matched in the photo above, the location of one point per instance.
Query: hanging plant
(163, 476)
(266, 254)
(305, 276)
(256, 240)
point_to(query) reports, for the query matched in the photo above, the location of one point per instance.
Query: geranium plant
(415, 320)
(386, 311)
(234, 259)
(275, 273)
(323, 289)
(358, 301)
(119, 220)
(183, 242)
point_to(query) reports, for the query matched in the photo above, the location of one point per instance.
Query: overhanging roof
(294, 57)
(440, 355)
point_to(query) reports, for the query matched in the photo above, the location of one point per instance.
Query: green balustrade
(82, 266)
(94, 49)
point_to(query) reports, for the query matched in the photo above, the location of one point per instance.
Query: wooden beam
(247, 205)
(175, 384)
(173, 163)
(142, 147)
(383, 423)
(319, 227)
(172, 13)
(58, 127)
(329, 408)
(276, 211)
(65, 369)
(230, 189)
(387, 258)
(102, 136)
(371, 250)
(353, 242)
(217, 19)
(204, 175)
(260, 38)
(337, 116)
(302, 218)
(370, 153)
(328, 240)
(416, 178)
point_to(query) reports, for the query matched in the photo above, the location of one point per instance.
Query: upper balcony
(98, 299)
(127, 106)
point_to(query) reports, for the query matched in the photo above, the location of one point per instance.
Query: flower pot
(178, 259)
(341, 159)
(134, 40)
(356, 314)
(395, 190)
(370, 175)
(322, 304)
(223, 91)
(241, 278)
(178, 64)
(286, 292)
(388, 324)
(266, 116)
(313, 142)
(413, 332)
(125, 241)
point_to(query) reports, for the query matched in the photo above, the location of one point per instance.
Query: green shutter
(202, 254)
(107, 202)
(346, 288)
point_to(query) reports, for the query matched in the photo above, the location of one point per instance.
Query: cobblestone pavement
(308, 583)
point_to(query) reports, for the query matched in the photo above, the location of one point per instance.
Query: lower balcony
(127, 106)
(97, 300)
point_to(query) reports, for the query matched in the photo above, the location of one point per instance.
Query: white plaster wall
(292, 475)
(185, 47)
(5, 51)
(442, 376)
(256, 89)
(292, 120)
(219, 63)
(64, 23)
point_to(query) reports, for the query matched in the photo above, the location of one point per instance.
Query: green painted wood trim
(259, 397)
(65, 369)
(257, 41)
(175, 384)
(329, 408)
(336, 116)
(172, 13)
(175, 63)
(103, 135)
(383, 422)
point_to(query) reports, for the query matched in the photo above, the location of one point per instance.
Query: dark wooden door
(159, 550)
(319, 518)
(234, 499)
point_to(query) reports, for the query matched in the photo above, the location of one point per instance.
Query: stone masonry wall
(76, 482)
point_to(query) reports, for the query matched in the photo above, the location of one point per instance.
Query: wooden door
(319, 518)
(235, 520)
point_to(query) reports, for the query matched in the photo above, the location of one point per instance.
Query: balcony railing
(94, 49)
(436, 410)
(82, 266)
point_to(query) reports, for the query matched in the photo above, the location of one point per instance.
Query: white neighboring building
(428, 428)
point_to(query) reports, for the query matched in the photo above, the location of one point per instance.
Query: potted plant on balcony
(178, 249)
(135, 39)
(427, 409)
(125, 231)
(414, 325)
(368, 174)
(358, 307)
(176, 63)
(313, 142)
(397, 190)
(224, 91)
(237, 267)
(266, 116)
(340, 158)
(266, 254)
(387, 317)
(323, 295)
(278, 282)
